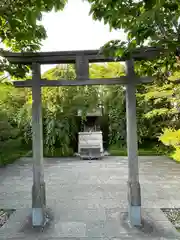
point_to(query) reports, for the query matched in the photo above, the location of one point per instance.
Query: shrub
(12, 150)
(171, 138)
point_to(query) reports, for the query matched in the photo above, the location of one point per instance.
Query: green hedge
(58, 152)
(119, 151)
(11, 150)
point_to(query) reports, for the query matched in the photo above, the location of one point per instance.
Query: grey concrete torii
(81, 59)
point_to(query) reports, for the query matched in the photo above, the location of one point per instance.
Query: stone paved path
(88, 198)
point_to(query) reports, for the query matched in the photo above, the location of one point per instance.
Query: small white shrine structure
(90, 140)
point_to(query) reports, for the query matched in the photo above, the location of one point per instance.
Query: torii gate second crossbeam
(81, 59)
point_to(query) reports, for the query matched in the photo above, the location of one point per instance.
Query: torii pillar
(134, 191)
(38, 188)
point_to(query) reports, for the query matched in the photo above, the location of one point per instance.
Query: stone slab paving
(88, 199)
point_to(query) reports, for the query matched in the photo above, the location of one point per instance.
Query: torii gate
(82, 59)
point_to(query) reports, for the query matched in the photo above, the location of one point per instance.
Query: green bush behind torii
(155, 110)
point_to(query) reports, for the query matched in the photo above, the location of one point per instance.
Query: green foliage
(107, 70)
(11, 150)
(149, 23)
(116, 150)
(160, 112)
(69, 100)
(113, 100)
(21, 29)
(9, 103)
(162, 99)
(146, 22)
(11, 143)
(171, 137)
(58, 152)
(115, 108)
(6, 129)
(60, 107)
(57, 72)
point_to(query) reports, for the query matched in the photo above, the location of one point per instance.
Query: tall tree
(145, 21)
(150, 23)
(21, 28)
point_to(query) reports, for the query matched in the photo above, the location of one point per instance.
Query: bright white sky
(74, 29)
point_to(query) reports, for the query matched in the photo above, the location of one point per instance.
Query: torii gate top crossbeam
(81, 59)
(65, 57)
